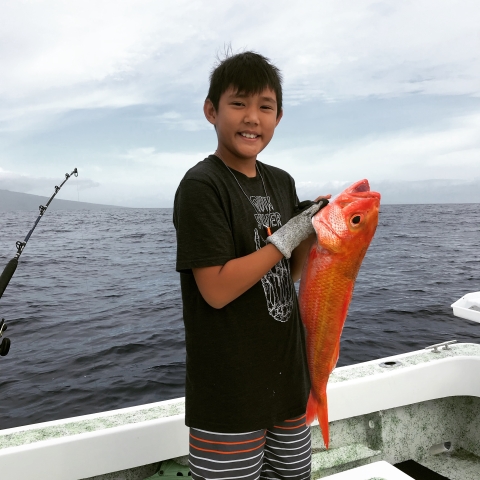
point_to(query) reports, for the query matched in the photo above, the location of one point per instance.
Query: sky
(383, 90)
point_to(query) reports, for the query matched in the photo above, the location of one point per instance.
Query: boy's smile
(245, 125)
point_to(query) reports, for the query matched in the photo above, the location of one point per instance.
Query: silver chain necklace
(267, 228)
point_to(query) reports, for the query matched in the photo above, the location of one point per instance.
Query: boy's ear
(280, 115)
(209, 111)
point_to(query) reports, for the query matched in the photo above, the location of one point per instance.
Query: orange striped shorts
(281, 452)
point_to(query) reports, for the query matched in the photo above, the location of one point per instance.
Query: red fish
(344, 229)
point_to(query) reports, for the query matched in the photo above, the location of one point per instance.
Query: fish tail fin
(322, 414)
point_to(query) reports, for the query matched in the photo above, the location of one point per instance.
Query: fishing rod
(11, 266)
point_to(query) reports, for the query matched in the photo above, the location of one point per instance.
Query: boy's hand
(297, 229)
(308, 203)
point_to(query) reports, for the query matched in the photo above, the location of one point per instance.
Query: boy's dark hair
(248, 73)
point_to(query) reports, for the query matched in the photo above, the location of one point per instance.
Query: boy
(238, 253)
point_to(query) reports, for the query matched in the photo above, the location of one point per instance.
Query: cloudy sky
(384, 90)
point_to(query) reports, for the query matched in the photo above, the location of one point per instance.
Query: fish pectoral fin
(322, 414)
(312, 407)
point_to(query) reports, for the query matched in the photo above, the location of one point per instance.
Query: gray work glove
(297, 229)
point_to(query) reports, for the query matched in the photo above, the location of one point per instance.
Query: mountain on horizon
(11, 201)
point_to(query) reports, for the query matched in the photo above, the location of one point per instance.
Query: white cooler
(468, 307)
(373, 470)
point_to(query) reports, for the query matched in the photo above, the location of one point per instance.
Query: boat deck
(457, 465)
(376, 413)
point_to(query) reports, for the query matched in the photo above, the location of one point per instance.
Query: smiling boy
(241, 243)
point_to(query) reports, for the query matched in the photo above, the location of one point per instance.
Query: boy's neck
(247, 166)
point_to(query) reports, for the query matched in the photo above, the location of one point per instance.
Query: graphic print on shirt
(277, 284)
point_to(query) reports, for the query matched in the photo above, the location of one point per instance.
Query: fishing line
(11, 266)
(83, 260)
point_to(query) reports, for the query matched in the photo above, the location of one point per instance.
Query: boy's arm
(219, 285)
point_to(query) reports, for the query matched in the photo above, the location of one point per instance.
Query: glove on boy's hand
(297, 229)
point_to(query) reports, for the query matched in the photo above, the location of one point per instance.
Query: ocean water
(95, 316)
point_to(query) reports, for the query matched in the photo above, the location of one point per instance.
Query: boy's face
(244, 123)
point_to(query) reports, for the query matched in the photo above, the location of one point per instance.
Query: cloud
(403, 192)
(176, 121)
(41, 185)
(430, 191)
(142, 177)
(59, 55)
(117, 88)
(449, 152)
(163, 161)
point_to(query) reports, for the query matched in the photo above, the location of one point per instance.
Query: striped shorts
(281, 452)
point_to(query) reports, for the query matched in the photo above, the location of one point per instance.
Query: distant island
(11, 201)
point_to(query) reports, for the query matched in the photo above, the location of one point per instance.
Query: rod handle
(7, 274)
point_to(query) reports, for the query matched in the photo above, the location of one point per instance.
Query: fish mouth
(362, 186)
(327, 227)
(361, 189)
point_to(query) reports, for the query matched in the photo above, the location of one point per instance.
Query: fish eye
(356, 219)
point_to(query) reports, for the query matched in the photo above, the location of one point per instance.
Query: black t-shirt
(246, 362)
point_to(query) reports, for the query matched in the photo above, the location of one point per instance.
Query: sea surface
(94, 310)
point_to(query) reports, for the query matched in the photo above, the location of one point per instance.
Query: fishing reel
(5, 345)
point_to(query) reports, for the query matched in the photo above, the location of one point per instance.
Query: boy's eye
(237, 104)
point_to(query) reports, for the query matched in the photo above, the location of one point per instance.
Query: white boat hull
(98, 444)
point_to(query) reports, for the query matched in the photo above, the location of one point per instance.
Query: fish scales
(344, 231)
